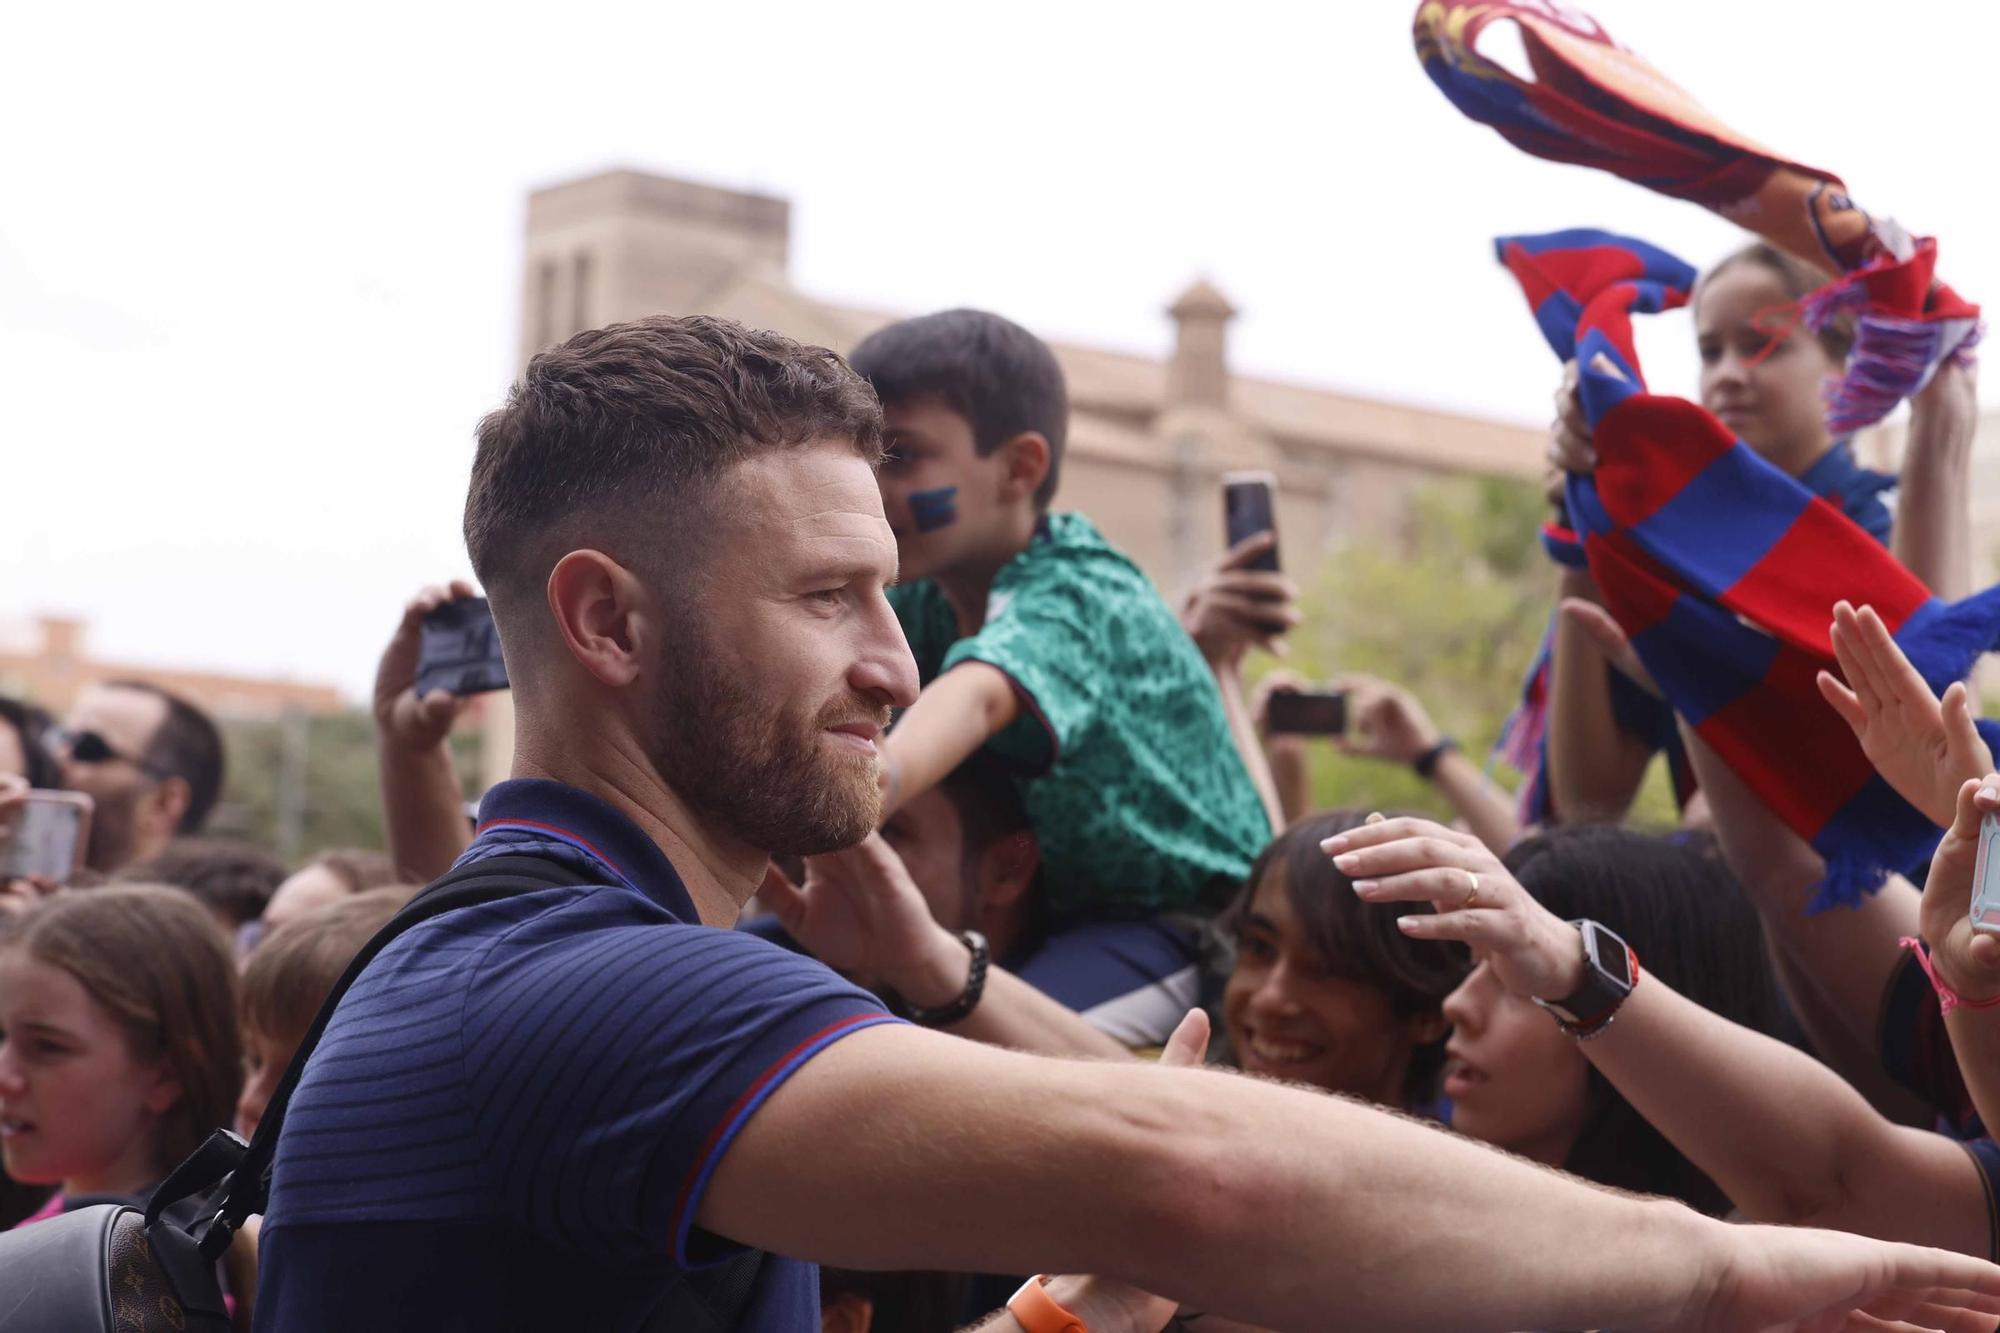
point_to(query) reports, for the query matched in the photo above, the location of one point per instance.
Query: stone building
(1149, 440)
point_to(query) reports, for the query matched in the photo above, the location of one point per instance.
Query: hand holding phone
(1307, 712)
(459, 650)
(46, 837)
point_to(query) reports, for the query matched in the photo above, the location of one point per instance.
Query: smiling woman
(1325, 990)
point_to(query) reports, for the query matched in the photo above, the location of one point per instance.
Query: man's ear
(167, 803)
(602, 611)
(1007, 869)
(1026, 459)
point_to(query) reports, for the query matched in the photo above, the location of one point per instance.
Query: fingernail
(1408, 924)
(1347, 862)
(1375, 818)
(1338, 842)
(1989, 794)
(1364, 887)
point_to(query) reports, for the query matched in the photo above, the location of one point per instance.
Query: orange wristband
(1038, 1312)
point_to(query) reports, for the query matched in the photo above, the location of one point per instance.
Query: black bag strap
(246, 1188)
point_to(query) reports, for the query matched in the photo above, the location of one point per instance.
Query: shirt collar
(591, 825)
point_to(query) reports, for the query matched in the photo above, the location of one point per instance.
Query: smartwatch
(1038, 1312)
(1610, 971)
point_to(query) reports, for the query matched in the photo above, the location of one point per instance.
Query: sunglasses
(88, 747)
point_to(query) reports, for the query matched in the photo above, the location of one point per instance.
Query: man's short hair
(1001, 378)
(231, 878)
(615, 439)
(187, 745)
(988, 802)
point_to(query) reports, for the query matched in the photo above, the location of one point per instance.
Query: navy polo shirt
(513, 1115)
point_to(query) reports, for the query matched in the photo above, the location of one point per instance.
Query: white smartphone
(47, 837)
(1986, 878)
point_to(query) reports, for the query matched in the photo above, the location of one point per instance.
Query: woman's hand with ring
(1475, 901)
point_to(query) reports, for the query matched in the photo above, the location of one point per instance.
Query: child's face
(1767, 391)
(77, 1109)
(944, 503)
(264, 1061)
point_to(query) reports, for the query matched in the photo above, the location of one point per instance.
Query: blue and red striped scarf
(1592, 102)
(1724, 570)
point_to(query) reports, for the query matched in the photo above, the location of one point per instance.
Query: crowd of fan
(1085, 792)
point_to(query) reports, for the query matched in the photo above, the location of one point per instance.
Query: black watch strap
(968, 999)
(1610, 971)
(1427, 763)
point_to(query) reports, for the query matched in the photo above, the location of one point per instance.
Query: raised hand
(1384, 721)
(1234, 609)
(1924, 747)
(1475, 900)
(861, 913)
(1967, 960)
(1611, 640)
(401, 718)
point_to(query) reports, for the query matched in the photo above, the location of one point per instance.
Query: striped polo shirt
(512, 1117)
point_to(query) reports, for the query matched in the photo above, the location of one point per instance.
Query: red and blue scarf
(1724, 570)
(1594, 103)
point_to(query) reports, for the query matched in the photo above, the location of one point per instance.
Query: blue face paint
(931, 510)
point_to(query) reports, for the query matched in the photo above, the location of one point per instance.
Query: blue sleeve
(611, 1069)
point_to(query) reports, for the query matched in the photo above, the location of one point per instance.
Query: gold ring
(1471, 891)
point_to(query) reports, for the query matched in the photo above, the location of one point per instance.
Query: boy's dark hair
(187, 745)
(988, 803)
(1678, 907)
(231, 878)
(1001, 378)
(32, 725)
(615, 439)
(1359, 941)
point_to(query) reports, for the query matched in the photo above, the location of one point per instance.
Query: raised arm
(1231, 610)
(1388, 722)
(900, 1148)
(1933, 532)
(956, 714)
(1965, 961)
(1786, 1138)
(422, 802)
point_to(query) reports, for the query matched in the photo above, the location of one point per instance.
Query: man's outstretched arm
(899, 1148)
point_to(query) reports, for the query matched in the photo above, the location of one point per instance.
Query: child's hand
(1924, 748)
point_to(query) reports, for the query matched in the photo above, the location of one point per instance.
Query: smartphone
(47, 837)
(1249, 507)
(459, 650)
(1307, 712)
(1986, 878)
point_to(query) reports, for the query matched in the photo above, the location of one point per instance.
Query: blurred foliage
(333, 755)
(1452, 608)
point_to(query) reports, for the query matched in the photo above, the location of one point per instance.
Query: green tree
(1452, 608)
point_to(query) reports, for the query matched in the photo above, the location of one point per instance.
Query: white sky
(259, 264)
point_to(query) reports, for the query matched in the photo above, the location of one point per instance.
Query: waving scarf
(1594, 103)
(1723, 569)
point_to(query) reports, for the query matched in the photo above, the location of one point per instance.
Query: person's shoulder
(1070, 556)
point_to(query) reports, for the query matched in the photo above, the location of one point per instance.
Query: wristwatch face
(1606, 953)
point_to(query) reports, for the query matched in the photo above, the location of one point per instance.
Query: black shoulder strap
(248, 1186)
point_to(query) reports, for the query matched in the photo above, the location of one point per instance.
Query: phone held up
(459, 650)
(1986, 879)
(47, 837)
(1248, 508)
(1307, 712)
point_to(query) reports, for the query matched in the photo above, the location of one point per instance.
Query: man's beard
(113, 840)
(757, 768)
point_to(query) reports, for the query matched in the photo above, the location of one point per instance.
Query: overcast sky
(259, 266)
